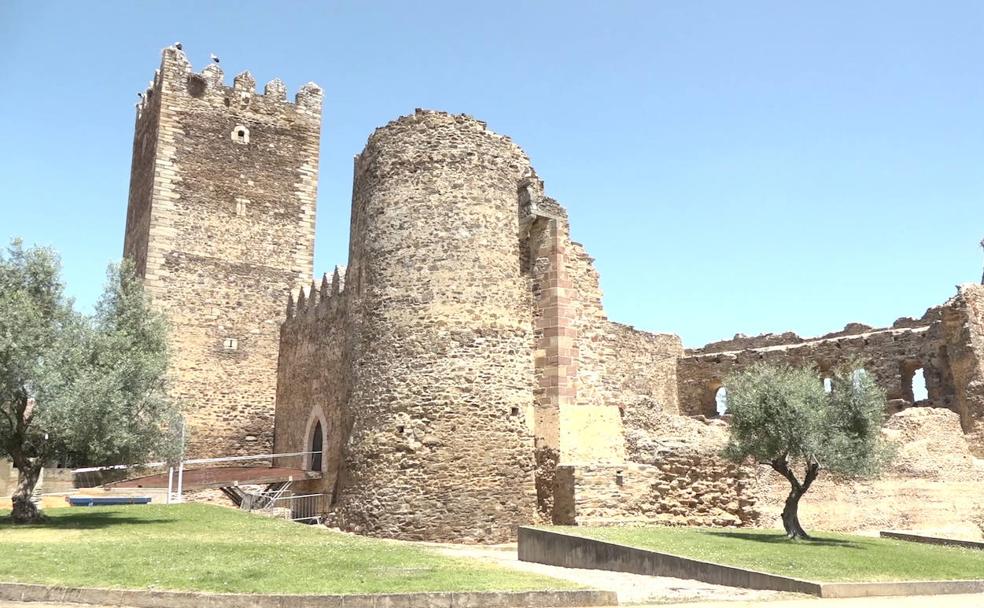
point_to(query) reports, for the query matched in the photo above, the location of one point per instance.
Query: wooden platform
(217, 477)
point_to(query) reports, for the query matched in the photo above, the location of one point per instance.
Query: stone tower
(220, 223)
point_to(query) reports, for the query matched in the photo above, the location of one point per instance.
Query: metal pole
(181, 470)
(170, 484)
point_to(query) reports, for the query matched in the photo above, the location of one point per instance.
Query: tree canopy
(783, 416)
(77, 388)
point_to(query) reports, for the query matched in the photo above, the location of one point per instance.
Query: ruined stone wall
(681, 488)
(963, 328)
(442, 362)
(674, 475)
(890, 355)
(221, 225)
(589, 371)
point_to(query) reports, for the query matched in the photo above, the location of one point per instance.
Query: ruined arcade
(459, 371)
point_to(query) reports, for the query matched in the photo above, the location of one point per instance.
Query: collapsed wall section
(891, 355)
(442, 362)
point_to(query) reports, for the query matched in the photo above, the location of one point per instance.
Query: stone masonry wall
(221, 225)
(963, 328)
(442, 362)
(314, 378)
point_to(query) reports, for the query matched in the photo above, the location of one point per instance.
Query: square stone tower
(220, 224)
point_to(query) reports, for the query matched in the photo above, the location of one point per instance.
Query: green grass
(207, 548)
(829, 557)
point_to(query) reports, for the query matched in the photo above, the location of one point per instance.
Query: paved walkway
(922, 601)
(631, 588)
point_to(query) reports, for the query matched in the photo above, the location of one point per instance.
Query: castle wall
(221, 225)
(314, 379)
(442, 363)
(890, 355)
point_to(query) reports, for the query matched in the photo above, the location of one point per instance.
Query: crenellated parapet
(176, 76)
(318, 300)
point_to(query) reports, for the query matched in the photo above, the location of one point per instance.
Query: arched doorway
(316, 447)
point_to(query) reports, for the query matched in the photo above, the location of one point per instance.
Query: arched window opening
(317, 445)
(240, 134)
(919, 392)
(721, 401)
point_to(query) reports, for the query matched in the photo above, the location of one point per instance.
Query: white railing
(175, 491)
(295, 507)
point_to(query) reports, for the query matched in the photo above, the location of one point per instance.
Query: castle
(459, 374)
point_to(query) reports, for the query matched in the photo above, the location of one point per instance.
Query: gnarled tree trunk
(24, 510)
(790, 512)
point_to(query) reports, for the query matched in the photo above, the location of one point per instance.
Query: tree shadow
(779, 538)
(81, 521)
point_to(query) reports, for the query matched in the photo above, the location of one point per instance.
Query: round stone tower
(440, 445)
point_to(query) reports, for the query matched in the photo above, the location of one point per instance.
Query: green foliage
(89, 390)
(782, 413)
(206, 548)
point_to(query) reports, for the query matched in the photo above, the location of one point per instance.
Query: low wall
(18, 592)
(559, 549)
(55, 479)
(933, 540)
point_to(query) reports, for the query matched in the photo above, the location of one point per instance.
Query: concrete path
(631, 588)
(936, 601)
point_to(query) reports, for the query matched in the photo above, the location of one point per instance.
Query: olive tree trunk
(24, 510)
(790, 511)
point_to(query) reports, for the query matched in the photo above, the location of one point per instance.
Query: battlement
(459, 127)
(177, 76)
(314, 298)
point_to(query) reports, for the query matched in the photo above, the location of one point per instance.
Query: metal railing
(175, 474)
(295, 507)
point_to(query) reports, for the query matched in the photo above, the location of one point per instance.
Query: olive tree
(784, 417)
(77, 388)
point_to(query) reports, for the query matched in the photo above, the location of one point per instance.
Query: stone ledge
(559, 549)
(932, 540)
(133, 598)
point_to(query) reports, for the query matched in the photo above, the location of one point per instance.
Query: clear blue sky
(733, 166)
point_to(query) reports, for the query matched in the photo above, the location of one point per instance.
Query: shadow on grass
(80, 521)
(781, 539)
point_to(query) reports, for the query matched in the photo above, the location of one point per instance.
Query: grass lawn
(207, 548)
(829, 557)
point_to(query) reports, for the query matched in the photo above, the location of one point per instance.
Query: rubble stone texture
(460, 371)
(220, 224)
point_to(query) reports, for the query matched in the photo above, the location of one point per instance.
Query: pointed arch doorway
(316, 447)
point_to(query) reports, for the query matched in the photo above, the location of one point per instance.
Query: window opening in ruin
(514, 411)
(919, 391)
(721, 401)
(230, 344)
(317, 444)
(400, 429)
